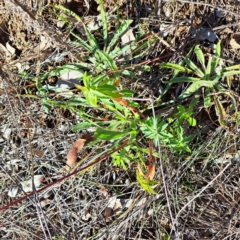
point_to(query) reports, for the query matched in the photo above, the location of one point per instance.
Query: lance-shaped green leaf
(109, 90)
(117, 51)
(96, 80)
(229, 73)
(60, 7)
(109, 135)
(75, 69)
(82, 43)
(175, 67)
(200, 56)
(234, 67)
(195, 86)
(182, 63)
(119, 32)
(90, 124)
(209, 65)
(217, 56)
(207, 98)
(192, 65)
(107, 60)
(104, 22)
(184, 79)
(220, 111)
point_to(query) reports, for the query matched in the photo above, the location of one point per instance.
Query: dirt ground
(199, 198)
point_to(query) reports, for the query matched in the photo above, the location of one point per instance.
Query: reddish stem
(63, 178)
(150, 159)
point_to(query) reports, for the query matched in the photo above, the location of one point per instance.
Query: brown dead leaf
(43, 45)
(10, 49)
(86, 216)
(235, 41)
(227, 30)
(43, 203)
(38, 152)
(108, 214)
(220, 111)
(73, 152)
(151, 172)
(123, 102)
(127, 37)
(109, 209)
(75, 149)
(105, 191)
(117, 207)
(103, 119)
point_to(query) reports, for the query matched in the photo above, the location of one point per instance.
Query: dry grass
(198, 196)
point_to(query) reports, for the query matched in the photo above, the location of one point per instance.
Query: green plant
(186, 114)
(208, 75)
(169, 134)
(99, 89)
(147, 184)
(126, 123)
(101, 56)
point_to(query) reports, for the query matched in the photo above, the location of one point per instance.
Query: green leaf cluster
(147, 185)
(101, 58)
(170, 135)
(207, 75)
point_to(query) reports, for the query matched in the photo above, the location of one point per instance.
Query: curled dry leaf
(220, 111)
(44, 45)
(109, 208)
(124, 103)
(45, 202)
(127, 37)
(105, 191)
(74, 150)
(13, 191)
(151, 172)
(27, 186)
(117, 209)
(235, 41)
(86, 216)
(10, 49)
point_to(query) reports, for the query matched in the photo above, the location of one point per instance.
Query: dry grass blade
(198, 195)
